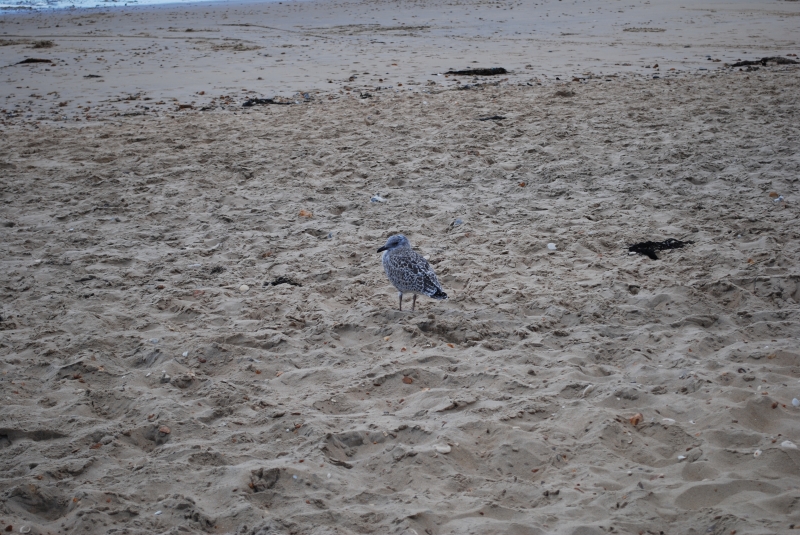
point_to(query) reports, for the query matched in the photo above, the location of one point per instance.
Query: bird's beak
(382, 249)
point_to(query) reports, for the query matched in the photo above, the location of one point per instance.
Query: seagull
(408, 271)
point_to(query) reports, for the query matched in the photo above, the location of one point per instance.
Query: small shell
(681, 457)
(588, 390)
(551, 246)
(243, 288)
(636, 419)
(789, 445)
(796, 402)
(442, 449)
(757, 453)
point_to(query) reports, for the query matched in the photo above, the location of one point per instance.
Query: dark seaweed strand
(649, 248)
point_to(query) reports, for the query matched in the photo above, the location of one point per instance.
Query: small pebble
(164, 429)
(789, 445)
(377, 198)
(185, 353)
(796, 402)
(509, 166)
(243, 288)
(443, 449)
(551, 246)
(154, 340)
(329, 475)
(158, 512)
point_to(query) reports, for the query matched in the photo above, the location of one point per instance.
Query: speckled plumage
(408, 271)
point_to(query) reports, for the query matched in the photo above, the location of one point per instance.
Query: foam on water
(10, 5)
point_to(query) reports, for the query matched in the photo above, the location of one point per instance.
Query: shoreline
(139, 105)
(173, 53)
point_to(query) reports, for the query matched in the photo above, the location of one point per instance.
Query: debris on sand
(779, 60)
(649, 248)
(283, 280)
(480, 72)
(34, 60)
(262, 101)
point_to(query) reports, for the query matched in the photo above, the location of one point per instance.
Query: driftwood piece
(34, 60)
(780, 60)
(480, 72)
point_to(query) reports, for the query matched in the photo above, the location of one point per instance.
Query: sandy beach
(197, 336)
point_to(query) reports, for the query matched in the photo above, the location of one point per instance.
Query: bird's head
(398, 240)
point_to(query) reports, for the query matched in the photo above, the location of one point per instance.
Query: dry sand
(155, 380)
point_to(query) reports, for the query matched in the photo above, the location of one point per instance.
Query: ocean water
(16, 5)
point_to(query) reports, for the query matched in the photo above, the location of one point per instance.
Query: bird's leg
(400, 294)
(413, 302)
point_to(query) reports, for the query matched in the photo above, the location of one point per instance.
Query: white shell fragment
(796, 402)
(588, 390)
(243, 288)
(757, 453)
(443, 449)
(789, 445)
(681, 457)
(551, 246)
